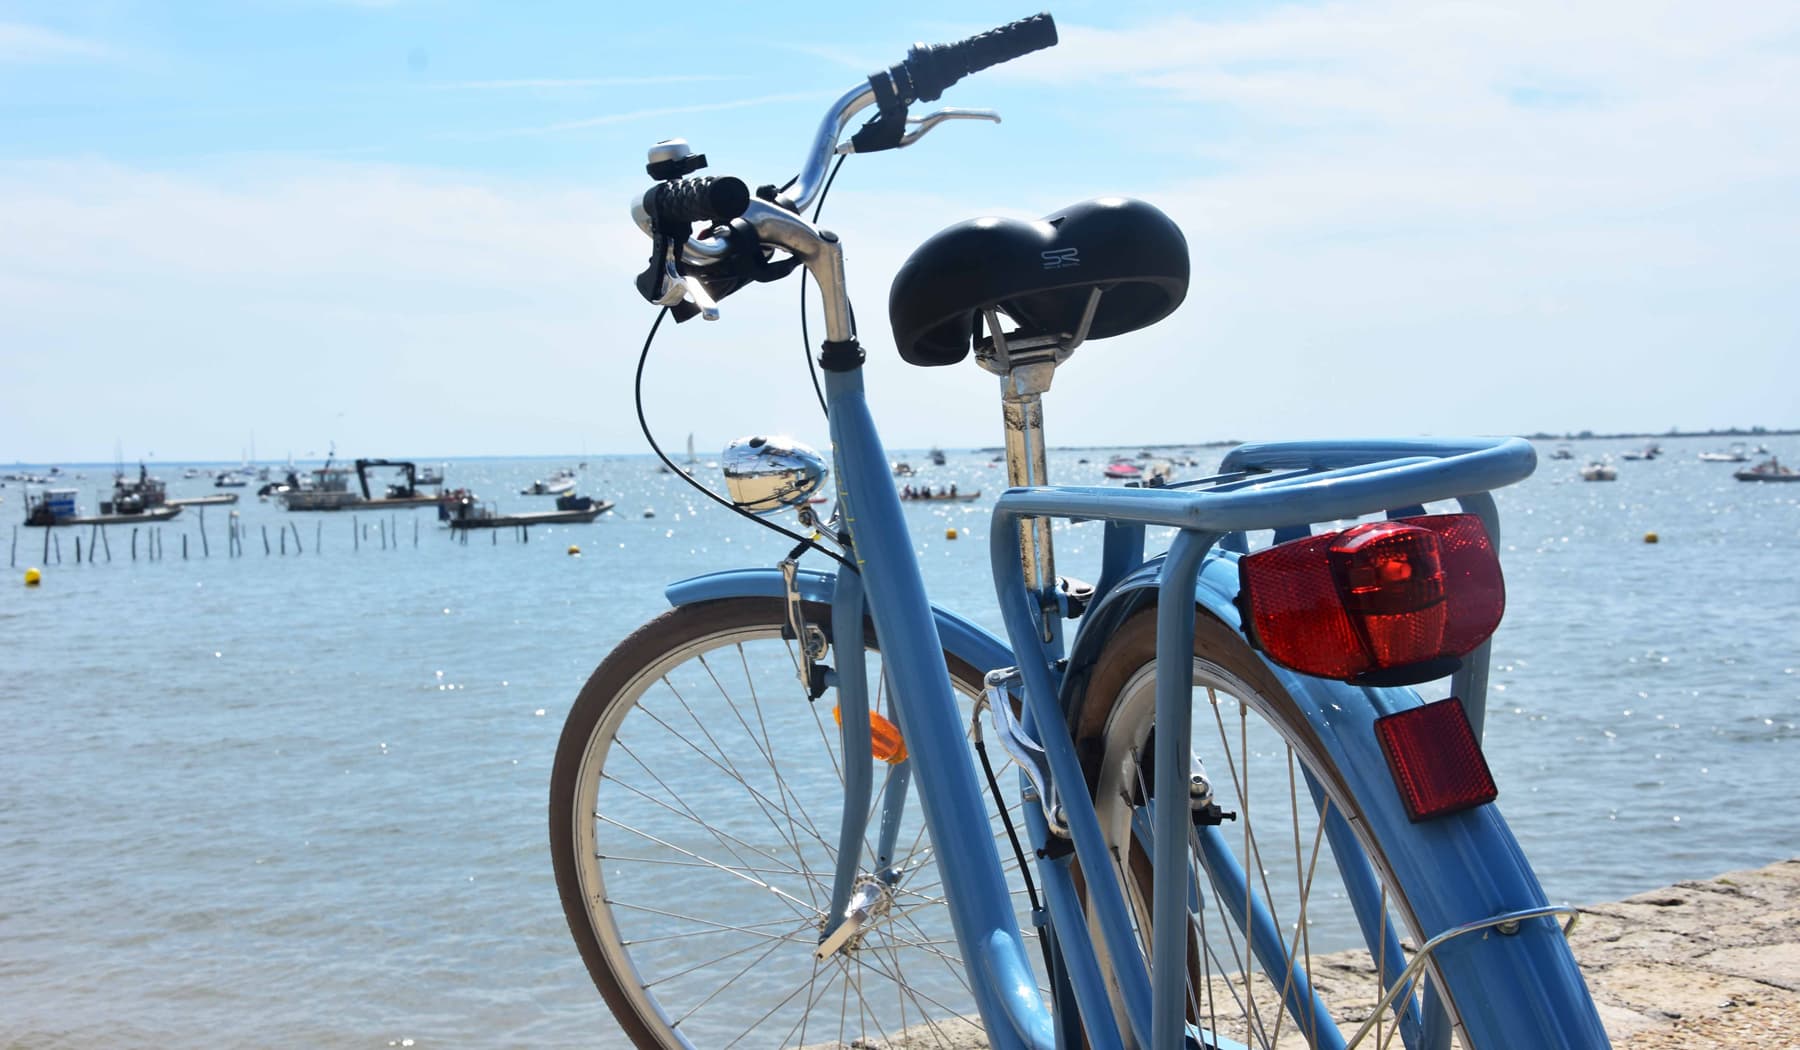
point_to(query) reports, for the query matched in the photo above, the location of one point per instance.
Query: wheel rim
(705, 857)
(1270, 776)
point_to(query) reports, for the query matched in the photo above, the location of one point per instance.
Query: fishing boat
(468, 512)
(58, 507)
(1769, 469)
(1122, 468)
(403, 492)
(1598, 471)
(329, 489)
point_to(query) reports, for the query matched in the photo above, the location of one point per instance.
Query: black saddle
(1040, 274)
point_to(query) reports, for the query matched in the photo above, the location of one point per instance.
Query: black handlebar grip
(929, 69)
(717, 199)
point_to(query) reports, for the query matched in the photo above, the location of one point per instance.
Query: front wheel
(694, 814)
(1284, 949)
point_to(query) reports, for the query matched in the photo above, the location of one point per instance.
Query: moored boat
(1598, 471)
(1770, 469)
(468, 512)
(909, 494)
(558, 484)
(58, 507)
(1122, 468)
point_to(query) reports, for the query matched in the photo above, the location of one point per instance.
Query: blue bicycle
(1196, 803)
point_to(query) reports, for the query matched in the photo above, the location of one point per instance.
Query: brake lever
(921, 125)
(932, 120)
(677, 287)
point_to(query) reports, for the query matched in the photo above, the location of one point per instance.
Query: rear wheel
(1314, 979)
(694, 815)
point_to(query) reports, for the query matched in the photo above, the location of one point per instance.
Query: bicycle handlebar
(930, 69)
(714, 199)
(668, 210)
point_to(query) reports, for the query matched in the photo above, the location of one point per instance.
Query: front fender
(972, 644)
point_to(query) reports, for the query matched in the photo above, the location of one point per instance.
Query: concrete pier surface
(1701, 964)
(1705, 963)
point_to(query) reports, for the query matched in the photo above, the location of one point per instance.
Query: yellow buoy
(949, 534)
(33, 577)
(574, 551)
(1651, 537)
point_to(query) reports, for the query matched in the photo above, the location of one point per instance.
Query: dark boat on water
(467, 512)
(912, 495)
(1770, 469)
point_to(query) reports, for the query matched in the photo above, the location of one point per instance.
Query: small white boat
(558, 484)
(1735, 454)
(1598, 471)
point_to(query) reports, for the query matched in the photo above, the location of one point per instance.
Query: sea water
(298, 799)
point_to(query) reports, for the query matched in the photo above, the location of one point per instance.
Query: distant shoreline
(1735, 433)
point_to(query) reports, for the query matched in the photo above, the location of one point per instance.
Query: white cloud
(21, 43)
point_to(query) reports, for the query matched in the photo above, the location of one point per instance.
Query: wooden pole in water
(46, 557)
(93, 547)
(78, 550)
(106, 541)
(184, 546)
(381, 527)
(355, 537)
(15, 547)
(394, 531)
(297, 548)
(58, 550)
(318, 536)
(415, 530)
(265, 532)
(205, 548)
(134, 543)
(283, 535)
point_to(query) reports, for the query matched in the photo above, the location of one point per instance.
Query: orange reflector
(1436, 761)
(885, 742)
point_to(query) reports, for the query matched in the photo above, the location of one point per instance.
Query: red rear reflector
(1436, 761)
(1390, 602)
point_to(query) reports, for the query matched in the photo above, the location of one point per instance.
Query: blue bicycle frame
(1484, 923)
(1528, 981)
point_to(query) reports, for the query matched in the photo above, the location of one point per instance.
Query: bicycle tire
(736, 968)
(1229, 993)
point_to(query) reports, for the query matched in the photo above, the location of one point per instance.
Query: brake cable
(644, 426)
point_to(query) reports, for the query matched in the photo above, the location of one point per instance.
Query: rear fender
(968, 642)
(1519, 988)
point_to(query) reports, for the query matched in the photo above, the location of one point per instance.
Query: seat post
(1021, 403)
(1025, 367)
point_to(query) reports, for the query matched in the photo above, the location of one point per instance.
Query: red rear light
(1436, 761)
(1387, 602)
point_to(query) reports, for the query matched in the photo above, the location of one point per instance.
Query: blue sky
(402, 226)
